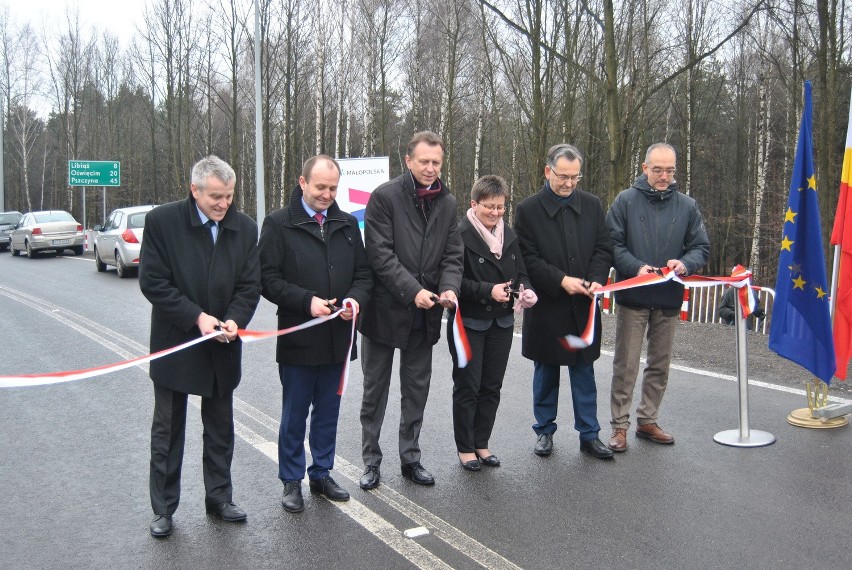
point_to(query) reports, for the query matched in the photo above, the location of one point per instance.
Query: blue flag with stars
(801, 323)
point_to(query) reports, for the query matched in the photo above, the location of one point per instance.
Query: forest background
(499, 80)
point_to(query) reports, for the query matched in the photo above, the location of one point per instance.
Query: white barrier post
(744, 436)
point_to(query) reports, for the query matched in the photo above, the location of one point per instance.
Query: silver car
(50, 230)
(8, 220)
(119, 240)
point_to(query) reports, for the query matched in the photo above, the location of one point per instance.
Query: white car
(119, 240)
(49, 230)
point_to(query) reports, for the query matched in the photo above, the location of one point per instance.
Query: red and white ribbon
(245, 335)
(740, 278)
(344, 374)
(460, 342)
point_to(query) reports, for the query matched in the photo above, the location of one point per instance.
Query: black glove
(759, 313)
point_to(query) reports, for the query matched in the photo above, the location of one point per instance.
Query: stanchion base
(802, 418)
(756, 438)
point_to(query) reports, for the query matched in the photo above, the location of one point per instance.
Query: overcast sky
(121, 17)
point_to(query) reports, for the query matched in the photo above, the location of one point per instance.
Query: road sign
(94, 173)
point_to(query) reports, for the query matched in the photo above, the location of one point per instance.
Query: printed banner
(359, 177)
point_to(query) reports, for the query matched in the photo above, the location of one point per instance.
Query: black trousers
(476, 387)
(168, 432)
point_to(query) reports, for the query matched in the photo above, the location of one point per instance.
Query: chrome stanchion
(744, 436)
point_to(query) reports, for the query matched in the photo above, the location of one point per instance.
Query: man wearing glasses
(652, 226)
(567, 250)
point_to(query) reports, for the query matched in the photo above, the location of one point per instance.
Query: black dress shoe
(544, 445)
(228, 511)
(417, 473)
(472, 465)
(490, 461)
(596, 448)
(370, 479)
(292, 500)
(161, 526)
(326, 486)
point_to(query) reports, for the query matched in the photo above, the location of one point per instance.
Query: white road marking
(440, 528)
(730, 378)
(370, 520)
(356, 510)
(382, 529)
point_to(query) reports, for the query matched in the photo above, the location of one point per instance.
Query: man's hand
(423, 300)
(447, 299)
(321, 307)
(348, 313)
(230, 329)
(208, 324)
(677, 266)
(646, 269)
(577, 286)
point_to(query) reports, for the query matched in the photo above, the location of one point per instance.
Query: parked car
(119, 240)
(50, 230)
(8, 220)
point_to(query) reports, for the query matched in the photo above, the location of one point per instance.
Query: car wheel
(15, 252)
(78, 249)
(121, 269)
(99, 265)
(30, 251)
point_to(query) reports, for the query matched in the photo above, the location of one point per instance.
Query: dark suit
(300, 261)
(408, 251)
(182, 274)
(559, 240)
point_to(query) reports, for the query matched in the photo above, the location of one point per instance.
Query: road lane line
(382, 529)
(374, 523)
(378, 526)
(440, 528)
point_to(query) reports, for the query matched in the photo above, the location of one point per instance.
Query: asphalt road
(74, 463)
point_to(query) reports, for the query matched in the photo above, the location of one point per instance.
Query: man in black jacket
(415, 251)
(199, 269)
(567, 251)
(312, 259)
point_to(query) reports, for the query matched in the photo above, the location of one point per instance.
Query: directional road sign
(94, 173)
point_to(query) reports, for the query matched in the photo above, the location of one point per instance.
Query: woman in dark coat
(493, 272)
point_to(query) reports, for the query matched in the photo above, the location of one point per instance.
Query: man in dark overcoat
(414, 248)
(311, 258)
(199, 269)
(567, 250)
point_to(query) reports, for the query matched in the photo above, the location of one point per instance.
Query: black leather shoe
(490, 461)
(370, 479)
(417, 474)
(326, 486)
(161, 526)
(544, 445)
(596, 448)
(292, 500)
(472, 465)
(228, 511)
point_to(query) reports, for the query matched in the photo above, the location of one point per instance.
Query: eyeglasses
(492, 207)
(566, 178)
(656, 171)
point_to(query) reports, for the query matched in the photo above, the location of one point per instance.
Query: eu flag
(801, 324)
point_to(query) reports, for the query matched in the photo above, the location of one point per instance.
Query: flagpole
(835, 271)
(744, 436)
